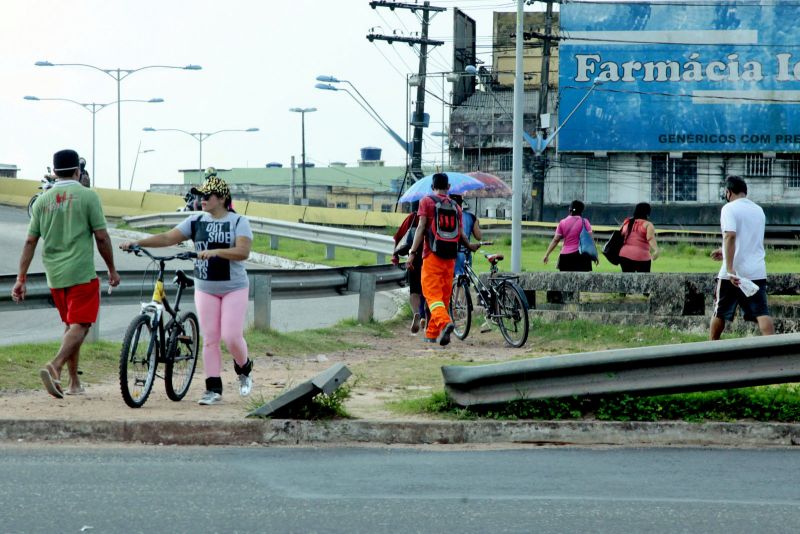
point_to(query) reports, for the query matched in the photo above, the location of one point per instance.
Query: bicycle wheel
(137, 362)
(182, 357)
(31, 203)
(461, 308)
(512, 311)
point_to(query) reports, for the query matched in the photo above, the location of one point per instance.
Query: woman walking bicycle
(222, 240)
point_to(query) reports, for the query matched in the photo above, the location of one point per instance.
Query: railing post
(273, 242)
(330, 252)
(380, 258)
(366, 297)
(262, 301)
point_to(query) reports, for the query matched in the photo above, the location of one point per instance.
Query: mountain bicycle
(148, 341)
(503, 301)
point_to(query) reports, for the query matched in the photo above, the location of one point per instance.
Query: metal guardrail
(706, 365)
(382, 245)
(136, 286)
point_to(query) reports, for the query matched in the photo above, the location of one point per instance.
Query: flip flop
(52, 386)
(56, 381)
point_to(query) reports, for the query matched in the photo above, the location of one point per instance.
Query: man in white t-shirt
(742, 255)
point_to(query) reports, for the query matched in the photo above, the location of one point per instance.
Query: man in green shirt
(66, 218)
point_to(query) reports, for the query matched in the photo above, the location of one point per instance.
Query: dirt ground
(391, 368)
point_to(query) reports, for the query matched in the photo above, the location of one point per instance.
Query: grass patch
(335, 338)
(19, 364)
(583, 336)
(763, 403)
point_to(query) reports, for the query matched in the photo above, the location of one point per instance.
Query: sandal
(51, 384)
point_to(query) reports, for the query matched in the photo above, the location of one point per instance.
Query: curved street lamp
(118, 75)
(365, 106)
(93, 108)
(302, 112)
(200, 136)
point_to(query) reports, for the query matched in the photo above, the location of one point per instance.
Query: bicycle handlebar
(137, 250)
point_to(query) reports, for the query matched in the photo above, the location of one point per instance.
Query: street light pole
(516, 180)
(93, 108)
(302, 112)
(200, 136)
(118, 74)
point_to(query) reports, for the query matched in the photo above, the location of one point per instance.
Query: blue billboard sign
(708, 77)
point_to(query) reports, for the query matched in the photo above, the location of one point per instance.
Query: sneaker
(444, 336)
(245, 385)
(415, 324)
(209, 398)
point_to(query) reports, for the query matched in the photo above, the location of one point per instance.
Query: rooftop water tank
(370, 153)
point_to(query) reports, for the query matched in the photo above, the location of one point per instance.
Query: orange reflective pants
(437, 287)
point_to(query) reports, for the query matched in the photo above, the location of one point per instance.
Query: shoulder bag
(586, 244)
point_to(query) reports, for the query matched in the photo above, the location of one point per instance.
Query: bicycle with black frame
(502, 299)
(149, 341)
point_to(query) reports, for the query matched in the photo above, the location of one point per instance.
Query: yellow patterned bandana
(213, 185)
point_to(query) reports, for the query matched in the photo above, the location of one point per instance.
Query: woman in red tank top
(640, 246)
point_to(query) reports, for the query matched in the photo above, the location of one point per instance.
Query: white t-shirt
(747, 219)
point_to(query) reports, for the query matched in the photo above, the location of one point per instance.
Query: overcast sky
(259, 58)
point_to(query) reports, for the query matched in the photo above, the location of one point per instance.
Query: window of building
(757, 166)
(342, 205)
(387, 208)
(673, 179)
(584, 178)
(792, 166)
(365, 207)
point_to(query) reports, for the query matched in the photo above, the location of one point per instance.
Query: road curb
(286, 432)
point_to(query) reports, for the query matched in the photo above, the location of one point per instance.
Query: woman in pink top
(569, 229)
(640, 246)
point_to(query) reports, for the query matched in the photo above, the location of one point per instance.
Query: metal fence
(331, 237)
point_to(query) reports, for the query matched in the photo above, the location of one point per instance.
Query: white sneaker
(209, 398)
(245, 385)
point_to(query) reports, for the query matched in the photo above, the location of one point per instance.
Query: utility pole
(418, 120)
(540, 160)
(291, 184)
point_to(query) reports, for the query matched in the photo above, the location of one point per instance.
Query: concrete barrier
(159, 203)
(674, 299)
(17, 192)
(282, 212)
(338, 217)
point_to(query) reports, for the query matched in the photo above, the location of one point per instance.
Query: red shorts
(78, 304)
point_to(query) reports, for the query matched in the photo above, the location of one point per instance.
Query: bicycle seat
(494, 258)
(182, 279)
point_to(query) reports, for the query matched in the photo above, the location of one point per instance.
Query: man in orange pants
(439, 232)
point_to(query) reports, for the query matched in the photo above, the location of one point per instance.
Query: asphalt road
(165, 489)
(45, 325)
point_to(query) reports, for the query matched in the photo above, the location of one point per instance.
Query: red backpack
(444, 232)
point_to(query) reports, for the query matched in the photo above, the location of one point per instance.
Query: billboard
(704, 77)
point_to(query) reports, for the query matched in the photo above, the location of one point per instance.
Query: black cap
(65, 160)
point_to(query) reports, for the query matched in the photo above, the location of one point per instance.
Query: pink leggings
(222, 318)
